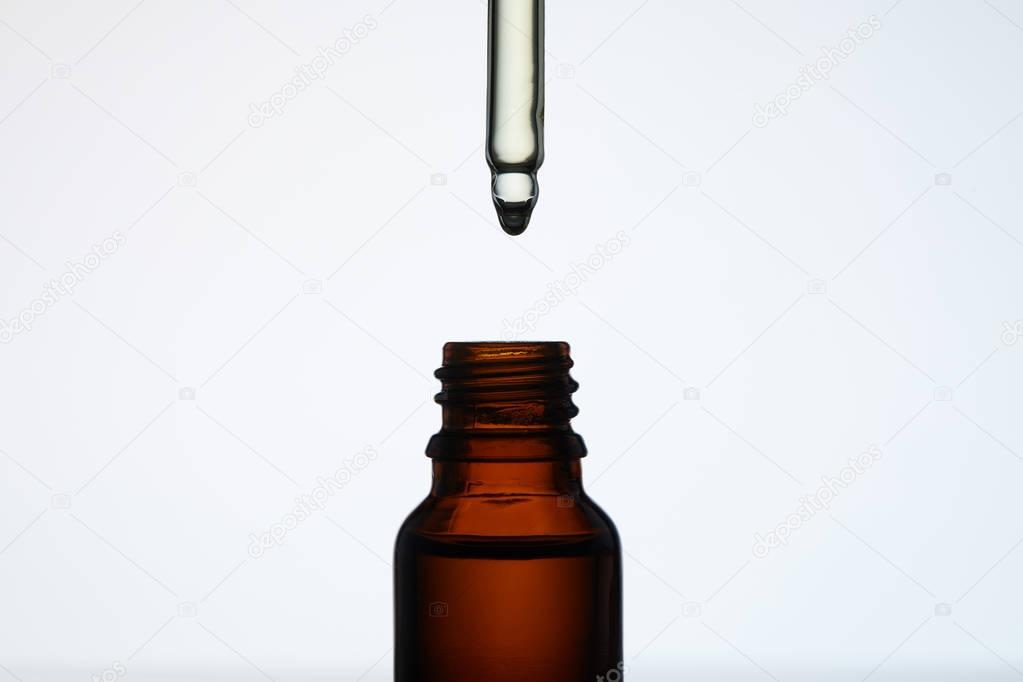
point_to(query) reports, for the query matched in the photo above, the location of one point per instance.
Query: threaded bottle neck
(506, 401)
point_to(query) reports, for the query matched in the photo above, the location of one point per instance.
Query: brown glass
(507, 570)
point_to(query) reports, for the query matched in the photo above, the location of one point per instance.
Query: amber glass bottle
(507, 570)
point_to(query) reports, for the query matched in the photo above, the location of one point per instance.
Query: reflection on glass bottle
(508, 570)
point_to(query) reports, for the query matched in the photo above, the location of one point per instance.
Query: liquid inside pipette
(515, 101)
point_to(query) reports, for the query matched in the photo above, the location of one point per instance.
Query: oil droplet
(514, 198)
(515, 101)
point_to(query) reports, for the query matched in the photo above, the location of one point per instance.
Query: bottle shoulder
(533, 518)
(605, 520)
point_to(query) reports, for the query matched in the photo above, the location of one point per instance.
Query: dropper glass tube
(515, 101)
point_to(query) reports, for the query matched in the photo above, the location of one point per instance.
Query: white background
(126, 511)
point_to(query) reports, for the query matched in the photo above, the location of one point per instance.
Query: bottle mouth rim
(473, 367)
(481, 353)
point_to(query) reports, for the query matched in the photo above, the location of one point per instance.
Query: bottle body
(507, 569)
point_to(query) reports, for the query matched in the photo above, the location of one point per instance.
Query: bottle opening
(506, 400)
(508, 371)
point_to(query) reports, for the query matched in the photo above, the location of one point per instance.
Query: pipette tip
(515, 197)
(514, 219)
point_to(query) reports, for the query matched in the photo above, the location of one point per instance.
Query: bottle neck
(561, 477)
(506, 402)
